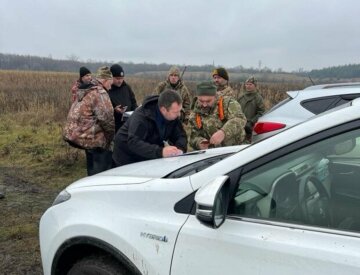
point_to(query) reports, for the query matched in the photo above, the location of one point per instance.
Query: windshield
(196, 167)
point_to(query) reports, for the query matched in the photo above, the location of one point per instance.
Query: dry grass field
(35, 164)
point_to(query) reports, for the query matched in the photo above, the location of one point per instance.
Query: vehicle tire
(98, 265)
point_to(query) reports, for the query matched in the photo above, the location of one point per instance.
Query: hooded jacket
(143, 134)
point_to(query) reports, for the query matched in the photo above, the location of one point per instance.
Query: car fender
(144, 226)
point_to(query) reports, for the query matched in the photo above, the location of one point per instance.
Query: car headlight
(62, 197)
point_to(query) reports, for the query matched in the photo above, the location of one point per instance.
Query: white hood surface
(159, 168)
(141, 172)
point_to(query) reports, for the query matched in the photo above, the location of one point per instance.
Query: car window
(346, 98)
(319, 105)
(317, 185)
(196, 167)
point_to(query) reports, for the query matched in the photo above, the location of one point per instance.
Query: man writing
(153, 131)
(174, 82)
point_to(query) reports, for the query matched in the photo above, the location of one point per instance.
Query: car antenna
(311, 80)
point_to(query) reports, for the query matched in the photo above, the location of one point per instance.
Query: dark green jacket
(252, 105)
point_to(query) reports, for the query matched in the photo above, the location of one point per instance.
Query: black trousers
(98, 160)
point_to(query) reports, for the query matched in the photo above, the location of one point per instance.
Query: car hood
(161, 167)
(144, 171)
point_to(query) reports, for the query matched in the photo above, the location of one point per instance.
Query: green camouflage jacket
(184, 93)
(226, 91)
(232, 124)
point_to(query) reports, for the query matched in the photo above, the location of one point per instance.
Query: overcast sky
(308, 34)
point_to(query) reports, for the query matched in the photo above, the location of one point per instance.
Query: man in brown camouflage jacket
(221, 80)
(90, 123)
(174, 82)
(216, 121)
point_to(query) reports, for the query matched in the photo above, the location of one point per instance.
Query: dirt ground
(20, 211)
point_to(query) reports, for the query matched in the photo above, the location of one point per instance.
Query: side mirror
(212, 201)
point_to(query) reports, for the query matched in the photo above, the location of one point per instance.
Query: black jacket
(123, 96)
(140, 137)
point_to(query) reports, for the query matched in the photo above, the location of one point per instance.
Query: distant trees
(73, 63)
(338, 72)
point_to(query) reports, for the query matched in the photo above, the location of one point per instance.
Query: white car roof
(318, 92)
(334, 85)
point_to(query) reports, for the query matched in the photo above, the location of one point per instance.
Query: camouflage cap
(104, 73)
(174, 70)
(206, 88)
(221, 72)
(252, 80)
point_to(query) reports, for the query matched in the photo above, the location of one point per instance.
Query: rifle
(182, 74)
(311, 80)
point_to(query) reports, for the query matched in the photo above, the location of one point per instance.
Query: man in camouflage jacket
(221, 80)
(90, 123)
(252, 105)
(216, 121)
(175, 83)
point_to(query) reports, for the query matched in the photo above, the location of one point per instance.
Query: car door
(283, 216)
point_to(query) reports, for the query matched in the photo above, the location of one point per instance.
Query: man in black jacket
(152, 131)
(121, 95)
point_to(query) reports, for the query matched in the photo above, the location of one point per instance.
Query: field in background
(46, 95)
(35, 163)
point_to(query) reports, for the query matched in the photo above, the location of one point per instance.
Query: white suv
(303, 104)
(286, 205)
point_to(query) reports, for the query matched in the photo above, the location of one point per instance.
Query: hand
(204, 144)
(248, 129)
(120, 109)
(217, 137)
(171, 151)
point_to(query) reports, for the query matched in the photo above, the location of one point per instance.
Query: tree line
(337, 72)
(36, 63)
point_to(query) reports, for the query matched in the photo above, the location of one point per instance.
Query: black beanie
(117, 70)
(221, 72)
(84, 71)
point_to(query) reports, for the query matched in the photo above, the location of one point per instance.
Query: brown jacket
(90, 122)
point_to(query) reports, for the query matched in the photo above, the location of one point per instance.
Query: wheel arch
(78, 248)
